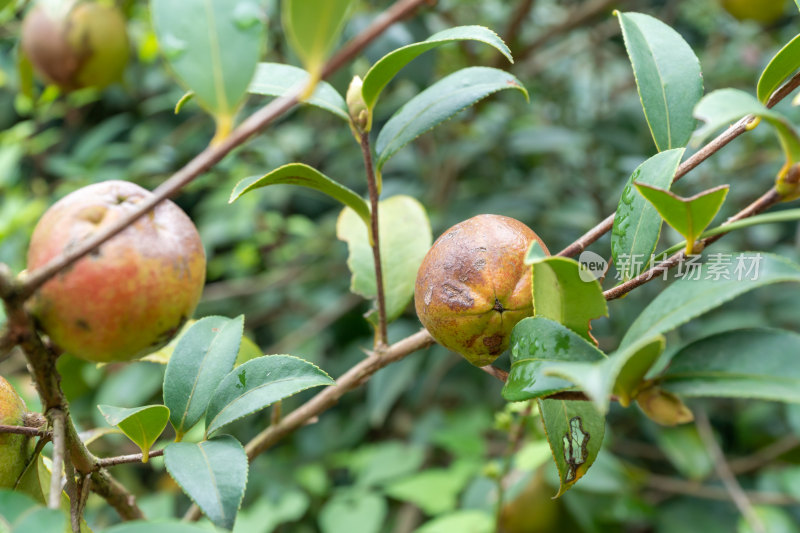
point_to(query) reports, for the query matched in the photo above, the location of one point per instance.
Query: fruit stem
(380, 330)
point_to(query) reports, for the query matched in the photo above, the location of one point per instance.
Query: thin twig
(366, 150)
(498, 373)
(125, 459)
(328, 397)
(25, 430)
(725, 475)
(213, 154)
(116, 495)
(765, 455)
(697, 490)
(687, 166)
(59, 449)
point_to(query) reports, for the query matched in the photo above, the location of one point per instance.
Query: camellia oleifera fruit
(473, 286)
(763, 11)
(76, 44)
(13, 448)
(131, 295)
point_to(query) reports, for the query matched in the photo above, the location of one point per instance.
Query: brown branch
(687, 166)
(328, 397)
(380, 331)
(579, 16)
(125, 459)
(213, 154)
(59, 451)
(696, 490)
(765, 455)
(116, 495)
(498, 373)
(725, 475)
(766, 201)
(25, 430)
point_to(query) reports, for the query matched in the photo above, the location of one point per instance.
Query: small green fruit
(76, 45)
(764, 11)
(13, 448)
(473, 286)
(130, 296)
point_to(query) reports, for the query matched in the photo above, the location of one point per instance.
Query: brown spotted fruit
(14, 451)
(473, 286)
(76, 44)
(132, 294)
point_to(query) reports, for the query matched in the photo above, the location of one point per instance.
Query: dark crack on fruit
(498, 306)
(82, 324)
(456, 298)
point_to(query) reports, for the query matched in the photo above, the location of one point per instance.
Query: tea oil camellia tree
(127, 405)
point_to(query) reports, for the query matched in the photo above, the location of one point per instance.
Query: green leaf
(277, 79)
(203, 357)
(41, 519)
(747, 363)
(14, 504)
(213, 473)
(575, 432)
(724, 107)
(689, 216)
(437, 103)
(389, 65)
(405, 236)
(637, 225)
(212, 46)
(152, 526)
(686, 450)
(143, 425)
(621, 373)
(464, 521)
(780, 67)
(713, 284)
(773, 519)
(668, 77)
(536, 342)
(434, 490)
(312, 27)
(563, 292)
(305, 176)
(353, 511)
(185, 99)
(259, 383)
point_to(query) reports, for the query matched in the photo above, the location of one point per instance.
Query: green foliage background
(425, 437)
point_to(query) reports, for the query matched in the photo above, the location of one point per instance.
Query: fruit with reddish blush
(131, 295)
(473, 286)
(76, 44)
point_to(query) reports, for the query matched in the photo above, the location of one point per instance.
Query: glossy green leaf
(668, 77)
(621, 373)
(41, 519)
(780, 67)
(213, 47)
(389, 65)
(203, 357)
(575, 432)
(637, 225)
(213, 473)
(689, 216)
(405, 237)
(724, 107)
(713, 284)
(312, 28)
(277, 79)
(143, 425)
(565, 293)
(745, 363)
(156, 526)
(259, 383)
(437, 103)
(535, 343)
(305, 176)
(353, 511)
